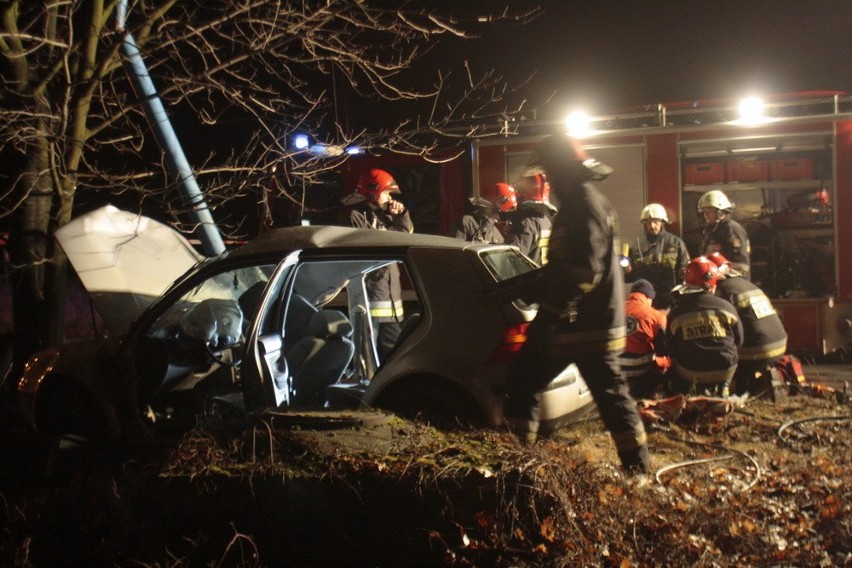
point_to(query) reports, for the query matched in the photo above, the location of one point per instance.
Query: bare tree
(244, 74)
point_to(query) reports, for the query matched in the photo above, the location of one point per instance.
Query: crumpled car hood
(124, 260)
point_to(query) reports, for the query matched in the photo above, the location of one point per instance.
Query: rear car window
(506, 263)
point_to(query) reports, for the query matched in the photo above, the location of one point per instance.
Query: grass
(727, 491)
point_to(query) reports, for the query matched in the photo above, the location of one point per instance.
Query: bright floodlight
(578, 124)
(300, 141)
(751, 110)
(353, 150)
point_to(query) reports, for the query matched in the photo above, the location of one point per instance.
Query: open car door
(265, 376)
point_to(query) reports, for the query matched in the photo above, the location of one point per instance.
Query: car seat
(320, 358)
(249, 302)
(300, 312)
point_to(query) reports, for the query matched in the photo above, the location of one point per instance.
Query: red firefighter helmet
(701, 272)
(500, 195)
(373, 183)
(533, 188)
(718, 259)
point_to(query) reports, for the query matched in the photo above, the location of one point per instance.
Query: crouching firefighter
(764, 336)
(580, 292)
(703, 334)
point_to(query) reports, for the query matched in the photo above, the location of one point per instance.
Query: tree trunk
(29, 258)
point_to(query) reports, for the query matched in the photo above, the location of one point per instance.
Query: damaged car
(282, 322)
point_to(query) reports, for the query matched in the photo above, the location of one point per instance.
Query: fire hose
(732, 454)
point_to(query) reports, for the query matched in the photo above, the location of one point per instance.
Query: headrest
(249, 299)
(330, 323)
(299, 314)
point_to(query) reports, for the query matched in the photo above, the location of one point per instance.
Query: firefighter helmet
(561, 152)
(373, 183)
(701, 272)
(654, 211)
(533, 188)
(721, 262)
(716, 199)
(500, 195)
(718, 259)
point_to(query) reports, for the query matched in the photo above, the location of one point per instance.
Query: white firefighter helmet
(654, 211)
(716, 199)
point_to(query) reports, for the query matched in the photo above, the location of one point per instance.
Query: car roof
(288, 239)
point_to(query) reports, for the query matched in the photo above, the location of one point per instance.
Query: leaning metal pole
(208, 232)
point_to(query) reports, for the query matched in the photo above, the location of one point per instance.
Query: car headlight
(36, 368)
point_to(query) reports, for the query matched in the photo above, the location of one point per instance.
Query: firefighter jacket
(646, 328)
(478, 229)
(384, 290)
(530, 229)
(584, 288)
(702, 337)
(660, 259)
(764, 336)
(731, 239)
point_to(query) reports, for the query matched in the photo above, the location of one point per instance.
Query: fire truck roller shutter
(624, 187)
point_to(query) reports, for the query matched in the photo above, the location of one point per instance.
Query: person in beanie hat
(644, 287)
(643, 362)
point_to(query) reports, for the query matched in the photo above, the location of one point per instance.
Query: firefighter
(482, 226)
(660, 257)
(764, 336)
(531, 223)
(580, 292)
(643, 362)
(372, 207)
(722, 233)
(703, 334)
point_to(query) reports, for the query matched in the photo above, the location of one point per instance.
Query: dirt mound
(767, 483)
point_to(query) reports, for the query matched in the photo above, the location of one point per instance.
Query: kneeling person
(703, 335)
(764, 336)
(643, 362)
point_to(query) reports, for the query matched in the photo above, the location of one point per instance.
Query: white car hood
(124, 260)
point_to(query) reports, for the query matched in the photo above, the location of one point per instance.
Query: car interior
(326, 314)
(316, 334)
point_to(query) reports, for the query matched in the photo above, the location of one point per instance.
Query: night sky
(609, 55)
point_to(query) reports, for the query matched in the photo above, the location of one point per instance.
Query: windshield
(506, 263)
(242, 287)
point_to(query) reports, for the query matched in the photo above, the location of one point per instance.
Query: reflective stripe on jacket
(764, 336)
(703, 335)
(530, 229)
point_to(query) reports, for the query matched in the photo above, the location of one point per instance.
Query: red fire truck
(788, 172)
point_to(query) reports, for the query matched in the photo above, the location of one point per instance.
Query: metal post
(208, 232)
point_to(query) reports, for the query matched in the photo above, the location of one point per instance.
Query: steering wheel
(216, 352)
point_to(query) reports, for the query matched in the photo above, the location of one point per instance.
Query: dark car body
(284, 322)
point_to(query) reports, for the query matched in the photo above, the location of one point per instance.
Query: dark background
(604, 56)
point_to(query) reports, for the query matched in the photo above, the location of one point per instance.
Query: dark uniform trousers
(540, 360)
